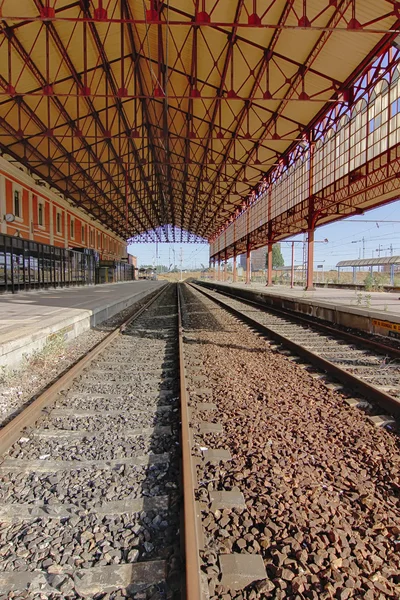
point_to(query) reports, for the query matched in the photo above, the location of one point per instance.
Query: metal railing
(27, 265)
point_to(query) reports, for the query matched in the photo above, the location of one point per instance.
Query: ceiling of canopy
(163, 115)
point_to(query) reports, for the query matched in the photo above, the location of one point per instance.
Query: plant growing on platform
(54, 346)
(369, 282)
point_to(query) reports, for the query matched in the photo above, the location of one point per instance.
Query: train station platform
(373, 312)
(29, 320)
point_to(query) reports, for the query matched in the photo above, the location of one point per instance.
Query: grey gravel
(17, 387)
(85, 486)
(86, 541)
(138, 399)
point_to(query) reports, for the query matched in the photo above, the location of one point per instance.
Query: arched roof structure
(163, 114)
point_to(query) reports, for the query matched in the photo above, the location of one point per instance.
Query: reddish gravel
(321, 484)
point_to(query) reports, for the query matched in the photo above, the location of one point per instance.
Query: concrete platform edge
(12, 352)
(345, 315)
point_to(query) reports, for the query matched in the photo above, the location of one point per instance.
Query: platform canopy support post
(269, 264)
(248, 262)
(391, 274)
(354, 275)
(292, 269)
(338, 274)
(226, 266)
(219, 268)
(234, 271)
(310, 260)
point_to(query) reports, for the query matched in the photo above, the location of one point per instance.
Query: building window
(72, 228)
(40, 214)
(395, 107)
(17, 203)
(99, 240)
(58, 222)
(83, 233)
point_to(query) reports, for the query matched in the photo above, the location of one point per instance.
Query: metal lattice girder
(157, 113)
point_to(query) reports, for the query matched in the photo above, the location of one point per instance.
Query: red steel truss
(160, 118)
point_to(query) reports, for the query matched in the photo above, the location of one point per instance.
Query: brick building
(44, 215)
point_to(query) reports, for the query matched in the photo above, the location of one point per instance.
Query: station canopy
(159, 117)
(370, 262)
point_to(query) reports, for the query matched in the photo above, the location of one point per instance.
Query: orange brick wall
(28, 225)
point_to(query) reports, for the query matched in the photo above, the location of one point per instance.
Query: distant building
(258, 258)
(132, 260)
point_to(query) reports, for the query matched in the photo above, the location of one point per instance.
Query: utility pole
(363, 247)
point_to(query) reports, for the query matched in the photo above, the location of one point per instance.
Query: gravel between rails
(17, 387)
(367, 364)
(60, 520)
(321, 484)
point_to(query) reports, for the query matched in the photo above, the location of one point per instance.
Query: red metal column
(226, 266)
(311, 223)
(310, 260)
(269, 270)
(234, 265)
(292, 269)
(248, 262)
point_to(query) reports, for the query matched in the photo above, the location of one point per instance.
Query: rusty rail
(315, 323)
(371, 392)
(192, 557)
(11, 432)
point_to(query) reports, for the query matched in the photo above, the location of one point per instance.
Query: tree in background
(158, 269)
(277, 258)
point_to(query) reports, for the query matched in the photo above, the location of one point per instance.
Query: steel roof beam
(217, 104)
(109, 77)
(135, 57)
(42, 81)
(284, 16)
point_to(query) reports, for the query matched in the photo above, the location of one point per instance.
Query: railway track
(366, 367)
(120, 480)
(90, 476)
(290, 480)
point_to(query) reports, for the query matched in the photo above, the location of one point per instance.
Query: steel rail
(192, 557)
(307, 320)
(11, 432)
(365, 28)
(384, 400)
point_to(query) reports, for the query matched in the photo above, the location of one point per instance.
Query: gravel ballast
(17, 387)
(320, 483)
(95, 483)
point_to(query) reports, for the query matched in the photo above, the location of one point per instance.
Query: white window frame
(58, 216)
(41, 225)
(72, 227)
(18, 188)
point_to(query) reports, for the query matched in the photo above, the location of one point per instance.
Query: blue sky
(344, 242)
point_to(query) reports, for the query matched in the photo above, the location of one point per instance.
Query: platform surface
(381, 305)
(25, 311)
(27, 318)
